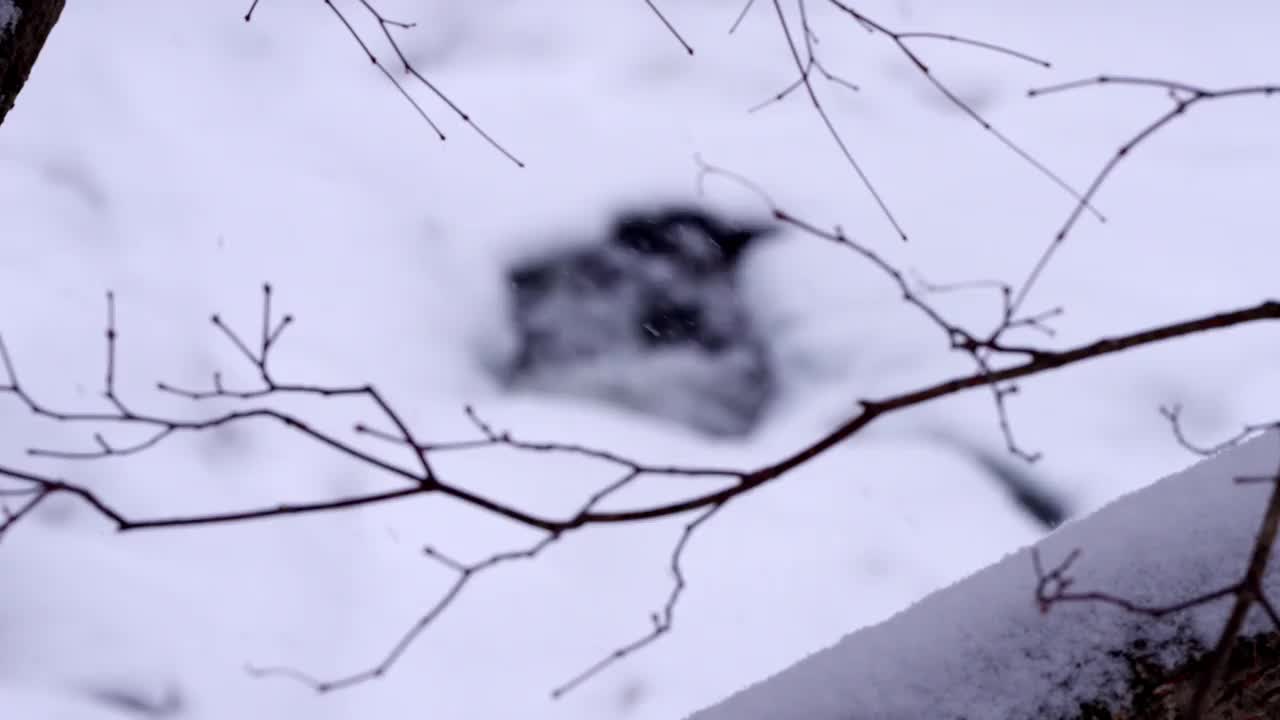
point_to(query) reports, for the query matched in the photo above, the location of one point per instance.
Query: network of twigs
(417, 477)
(999, 363)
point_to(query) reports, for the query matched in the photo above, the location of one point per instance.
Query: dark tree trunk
(21, 39)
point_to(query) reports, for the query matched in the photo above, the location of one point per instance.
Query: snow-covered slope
(981, 649)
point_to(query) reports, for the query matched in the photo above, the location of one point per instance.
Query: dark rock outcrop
(651, 319)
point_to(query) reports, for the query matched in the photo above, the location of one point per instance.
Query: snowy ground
(181, 157)
(978, 649)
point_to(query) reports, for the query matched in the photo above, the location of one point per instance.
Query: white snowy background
(179, 156)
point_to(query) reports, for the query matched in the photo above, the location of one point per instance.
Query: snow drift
(982, 649)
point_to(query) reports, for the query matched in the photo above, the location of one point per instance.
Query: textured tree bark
(1250, 690)
(22, 36)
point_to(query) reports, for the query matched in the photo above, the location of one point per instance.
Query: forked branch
(419, 478)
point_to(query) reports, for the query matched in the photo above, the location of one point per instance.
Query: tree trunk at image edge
(24, 26)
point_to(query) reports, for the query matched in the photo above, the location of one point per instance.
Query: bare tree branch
(670, 28)
(901, 39)
(662, 621)
(423, 480)
(385, 27)
(1184, 96)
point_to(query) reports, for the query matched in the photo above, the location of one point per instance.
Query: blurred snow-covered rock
(651, 319)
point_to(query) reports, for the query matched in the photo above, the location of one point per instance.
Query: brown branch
(670, 28)
(900, 40)
(492, 438)
(465, 574)
(811, 63)
(1003, 50)
(1053, 587)
(1173, 414)
(662, 621)
(742, 14)
(1184, 96)
(424, 481)
(803, 68)
(34, 496)
(980, 348)
(870, 411)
